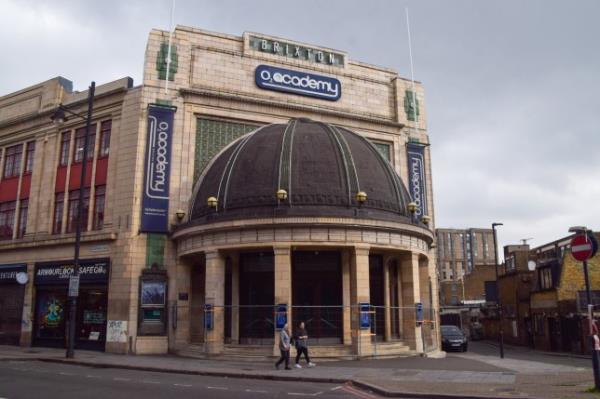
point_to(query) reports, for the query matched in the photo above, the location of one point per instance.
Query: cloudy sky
(512, 87)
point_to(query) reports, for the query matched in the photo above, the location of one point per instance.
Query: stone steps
(321, 352)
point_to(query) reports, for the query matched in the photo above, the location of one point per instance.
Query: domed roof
(322, 167)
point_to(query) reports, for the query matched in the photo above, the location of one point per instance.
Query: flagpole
(412, 73)
(168, 60)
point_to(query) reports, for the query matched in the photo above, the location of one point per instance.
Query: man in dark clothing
(302, 346)
(284, 348)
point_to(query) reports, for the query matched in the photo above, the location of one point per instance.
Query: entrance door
(376, 291)
(317, 295)
(11, 311)
(257, 294)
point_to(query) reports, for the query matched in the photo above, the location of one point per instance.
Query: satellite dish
(531, 265)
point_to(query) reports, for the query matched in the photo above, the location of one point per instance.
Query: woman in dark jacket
(302, 346)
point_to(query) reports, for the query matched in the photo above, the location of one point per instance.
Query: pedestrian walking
(301, 339)
(284, 348)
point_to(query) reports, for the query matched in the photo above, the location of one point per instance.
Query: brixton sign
(297, 82)
(296, 51)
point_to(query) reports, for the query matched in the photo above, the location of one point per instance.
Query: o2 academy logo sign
(155, 198)
(296, 82)
(416, 177)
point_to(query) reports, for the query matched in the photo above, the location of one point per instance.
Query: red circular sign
(582, 247)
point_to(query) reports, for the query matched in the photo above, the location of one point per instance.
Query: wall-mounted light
(180, 213)
(212, 202)
(281, 195)
(361, 197)
(412, 207)
(426, 219)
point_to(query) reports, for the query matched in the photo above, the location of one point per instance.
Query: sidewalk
(457, 376)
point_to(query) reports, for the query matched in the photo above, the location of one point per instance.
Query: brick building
(208, 184)
(515, 284)
(558, 304)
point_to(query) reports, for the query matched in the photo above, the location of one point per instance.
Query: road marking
(121, 379)
(358, 393)
(336, 388)
(223, 388)
(65, 373)
(304, 394)
(255, 390)
(183, 385)
(93, 376)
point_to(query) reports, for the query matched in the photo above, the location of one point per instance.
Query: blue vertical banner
(280, 316)
(416, 177)
(155, 199)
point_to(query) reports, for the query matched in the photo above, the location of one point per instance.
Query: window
(99, 207)
(79, 142)
(58, 213)
(105, 138)
(12, 161)
(73, 207)
(29, 154)
(545, 275)
(21, 229)
(384, 149)
(510, 263)
(7, 220)
(65, 140)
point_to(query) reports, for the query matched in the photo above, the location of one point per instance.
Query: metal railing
(326, 325)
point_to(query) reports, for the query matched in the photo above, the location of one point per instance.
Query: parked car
(453, 339)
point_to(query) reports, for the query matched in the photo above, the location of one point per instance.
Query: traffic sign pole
(583, 247)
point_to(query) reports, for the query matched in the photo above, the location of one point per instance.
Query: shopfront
(51, 303)
(11, 302)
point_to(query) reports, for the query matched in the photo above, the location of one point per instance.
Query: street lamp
(499, 304)
(59, 117)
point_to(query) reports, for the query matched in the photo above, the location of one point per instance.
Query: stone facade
(211, 82)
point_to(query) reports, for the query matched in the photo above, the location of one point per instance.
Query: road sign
(74, 286)
(582, 247)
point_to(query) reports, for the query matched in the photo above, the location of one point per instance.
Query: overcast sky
(512, 87)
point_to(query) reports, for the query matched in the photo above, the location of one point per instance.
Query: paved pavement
(478, 373)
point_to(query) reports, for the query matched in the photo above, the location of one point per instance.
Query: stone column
(411, 294)
(359, 272)
(346, 297)
(283, 286)
(235, 298)
(399, 299)
(215, 295)
(387, 332)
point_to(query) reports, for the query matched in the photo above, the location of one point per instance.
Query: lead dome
(321, 167)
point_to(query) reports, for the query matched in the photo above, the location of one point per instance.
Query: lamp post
(499, 304)
(59, 117)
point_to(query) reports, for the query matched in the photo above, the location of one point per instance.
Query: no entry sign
(582, 247)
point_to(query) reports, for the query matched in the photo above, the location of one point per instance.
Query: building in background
(465, 264)
(515, 283)
(461, 253)
(227, 193)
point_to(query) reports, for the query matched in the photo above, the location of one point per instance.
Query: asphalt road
(27, 380)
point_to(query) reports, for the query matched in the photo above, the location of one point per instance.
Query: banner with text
(416, 177)
(155, 199)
